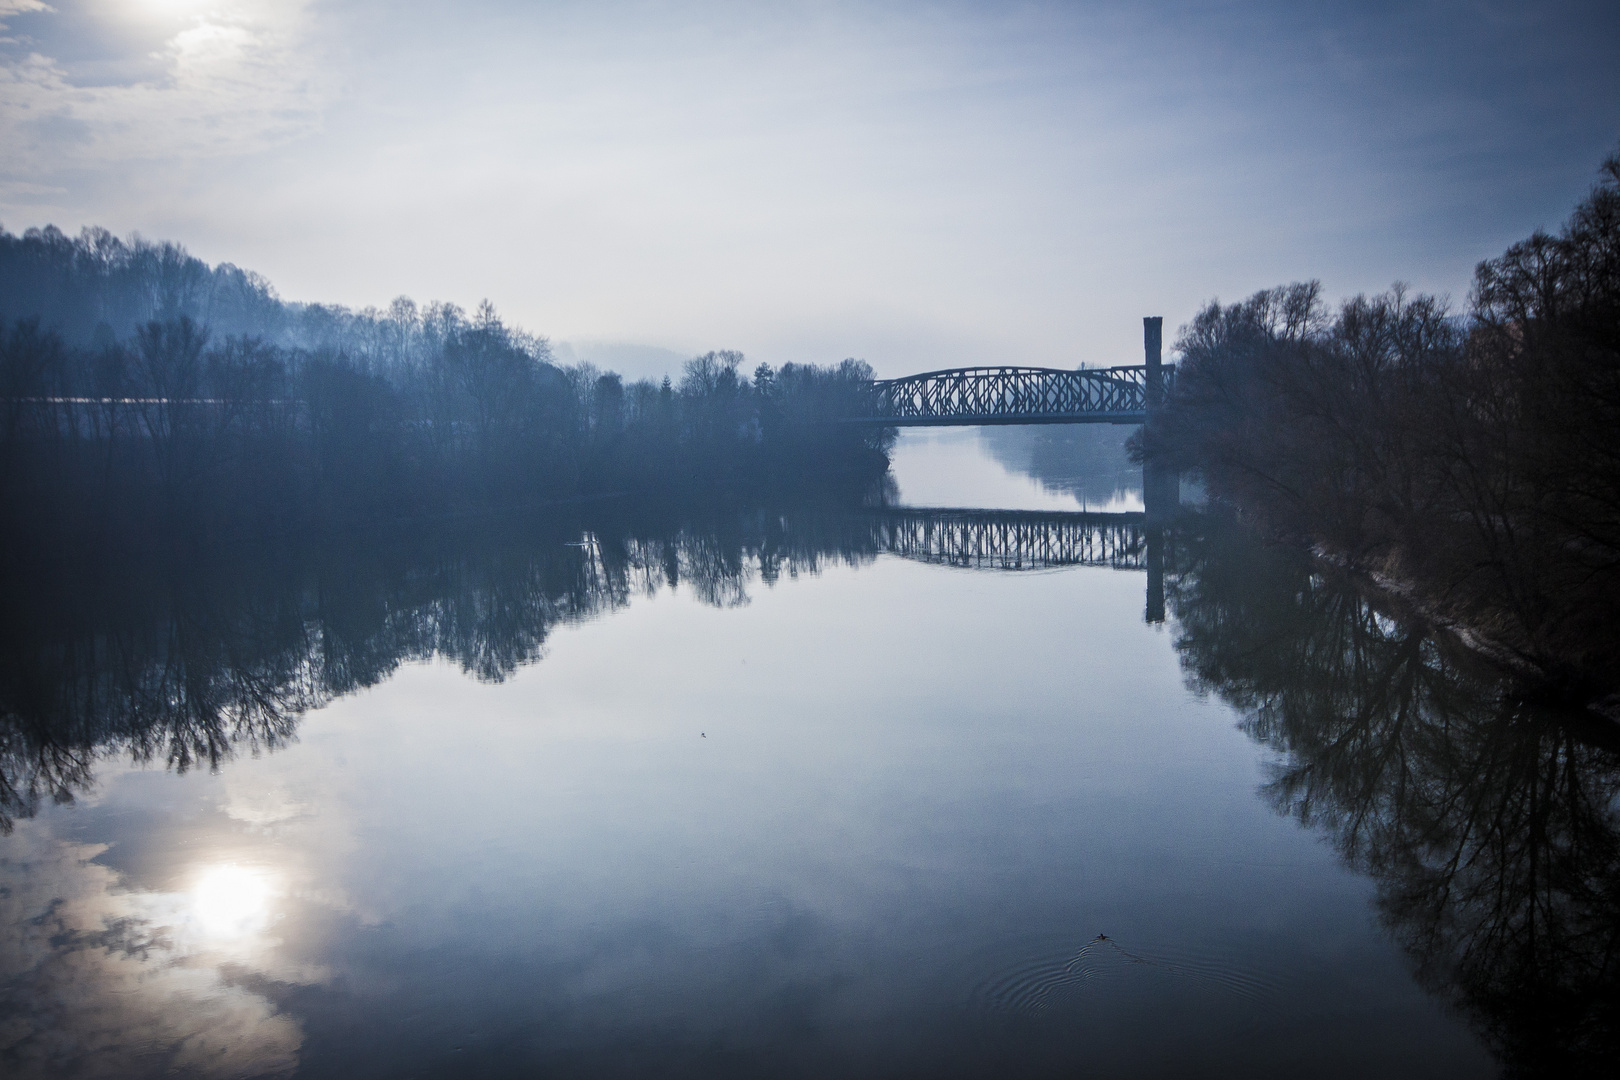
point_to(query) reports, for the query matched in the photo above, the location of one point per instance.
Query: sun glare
(231, 901)
(170, 9)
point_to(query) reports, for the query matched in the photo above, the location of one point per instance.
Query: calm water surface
(516, 807)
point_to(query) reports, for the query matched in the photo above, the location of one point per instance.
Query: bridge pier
(1155, 576)
(1161, 492)
(1161, 486)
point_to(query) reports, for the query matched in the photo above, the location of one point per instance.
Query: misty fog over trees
(1467, 460)
(139, 383)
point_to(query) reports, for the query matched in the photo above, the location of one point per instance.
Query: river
(719, 794)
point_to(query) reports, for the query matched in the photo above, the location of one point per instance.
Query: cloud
(234, 78)
(9, 8)
(21, 7)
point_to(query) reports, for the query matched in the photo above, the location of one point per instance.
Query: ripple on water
(1037, 983)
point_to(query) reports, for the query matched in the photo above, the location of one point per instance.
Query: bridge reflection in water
(1012, 394)
(964, 538)
(1018, 540)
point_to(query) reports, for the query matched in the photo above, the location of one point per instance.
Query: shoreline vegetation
(224, 512)
(1465, 464)
(143, 391)
(1459, 463)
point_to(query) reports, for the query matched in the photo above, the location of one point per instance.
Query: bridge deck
(1014, 395)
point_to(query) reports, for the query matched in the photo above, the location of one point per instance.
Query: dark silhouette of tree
(170, 406)
(1470, 458)
(30, 364)
(439, 415)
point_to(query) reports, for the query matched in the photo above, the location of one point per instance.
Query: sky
(919, 185)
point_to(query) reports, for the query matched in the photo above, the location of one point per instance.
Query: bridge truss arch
(1010, 394)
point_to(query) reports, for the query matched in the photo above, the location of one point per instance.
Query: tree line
(326, 414)
(1465, 459)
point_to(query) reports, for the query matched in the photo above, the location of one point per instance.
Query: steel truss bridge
(1010, 539)
(1018, 395)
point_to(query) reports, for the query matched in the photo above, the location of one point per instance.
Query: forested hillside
(139, 385)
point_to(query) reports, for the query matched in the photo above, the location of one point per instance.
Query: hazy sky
(918, 184)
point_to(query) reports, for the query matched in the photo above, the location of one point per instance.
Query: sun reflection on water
(230, 901)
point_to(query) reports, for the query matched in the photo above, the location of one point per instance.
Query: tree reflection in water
(1490, 824)
(186, 662)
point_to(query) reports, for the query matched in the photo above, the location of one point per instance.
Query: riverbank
(1464, 462)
